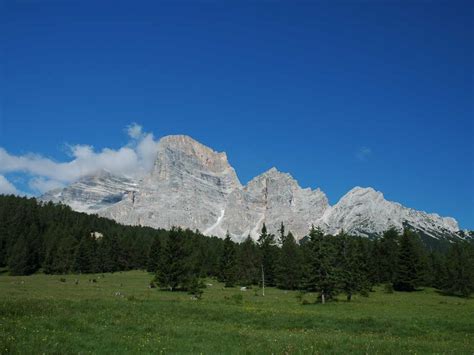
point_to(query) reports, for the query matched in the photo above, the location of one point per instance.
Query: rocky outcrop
(194, 187)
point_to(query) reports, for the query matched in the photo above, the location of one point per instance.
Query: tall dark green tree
(85, 258)
(228, 263)
(24, 258)
(460, 269)
(175, 267)
(320, 274)
(387, 255)
(248, 262)
(154, 256)
(353, 270)
(289, 267)
(406, 274)
(269, 253)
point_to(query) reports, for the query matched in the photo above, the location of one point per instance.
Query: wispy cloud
(7, 188)
(134, 159)
(363, 153)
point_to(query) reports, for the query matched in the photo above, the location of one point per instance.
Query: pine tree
(154, 256)
(248, 263)
(320, 273)
(21, 262)
(24, 257)
(388, 256)
(460, 269)
(268, 252)
(227, 263)
(85, 257)
(289, 267)
(353, 276)
(175, 268)
(406, 275)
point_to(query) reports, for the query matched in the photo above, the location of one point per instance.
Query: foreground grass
(119, 313)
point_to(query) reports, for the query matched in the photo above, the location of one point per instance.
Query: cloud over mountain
(133, 159)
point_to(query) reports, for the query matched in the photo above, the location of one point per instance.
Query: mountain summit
(193, 186)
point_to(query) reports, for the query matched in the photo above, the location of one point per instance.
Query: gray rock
(192, 186)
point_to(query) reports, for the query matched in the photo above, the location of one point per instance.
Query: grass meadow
(120, 314)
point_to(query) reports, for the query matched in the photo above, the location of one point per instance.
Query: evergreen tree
(439, 272)
(406, 275)
(353, 275)
(85, 257)
(289, 268)
(268, 252)
(24, 258)
(460, 269)
(21, 261)
(388, 256)
(320, 273)
(175, 268)
(248, 262)
(154, 256)
(227, 263)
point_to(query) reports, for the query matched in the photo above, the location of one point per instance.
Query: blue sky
(369, 93)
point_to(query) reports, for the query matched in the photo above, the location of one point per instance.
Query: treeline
(328, 265)
(38, 237)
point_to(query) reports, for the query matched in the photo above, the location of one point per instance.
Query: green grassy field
(40, 314)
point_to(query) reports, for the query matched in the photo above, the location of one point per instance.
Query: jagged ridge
(193, 186)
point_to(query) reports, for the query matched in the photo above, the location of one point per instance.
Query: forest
(40, 237)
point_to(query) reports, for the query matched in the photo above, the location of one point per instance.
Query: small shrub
(62, 279)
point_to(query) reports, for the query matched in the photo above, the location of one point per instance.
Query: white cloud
(135, 131)
(7, 188)
(42, 185)
(134, 159)
(363, 153)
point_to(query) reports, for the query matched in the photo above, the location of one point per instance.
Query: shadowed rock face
(194, 187)
(93, 193)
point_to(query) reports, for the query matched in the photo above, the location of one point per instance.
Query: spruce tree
(320, 273)
(289, 267)
(353, 276)
(460, 269)
(153, 262)
(248, 262)
(388, 256)
(268, 252)
(227, 263)
(174, 271)
(85, 257)
(406, 275)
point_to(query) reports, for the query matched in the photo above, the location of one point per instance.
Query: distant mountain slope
(194, 187)
(93, 193)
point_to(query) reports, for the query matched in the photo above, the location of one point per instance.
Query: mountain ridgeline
(193, 187)
(51, 238)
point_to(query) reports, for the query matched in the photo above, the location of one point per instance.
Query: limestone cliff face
(93, 193)
(364, 211)
(188, 187)
(192, 186)
(271, 198)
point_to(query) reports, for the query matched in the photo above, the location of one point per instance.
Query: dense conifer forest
(53, 239)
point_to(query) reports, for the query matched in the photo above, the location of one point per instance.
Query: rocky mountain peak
(193, 186)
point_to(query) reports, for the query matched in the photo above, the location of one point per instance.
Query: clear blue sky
(369, 93)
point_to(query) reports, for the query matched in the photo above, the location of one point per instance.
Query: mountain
(194, 187)
(188, 187)
(93, 193)
(364, 211)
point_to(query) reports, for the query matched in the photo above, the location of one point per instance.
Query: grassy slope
(41, 314)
